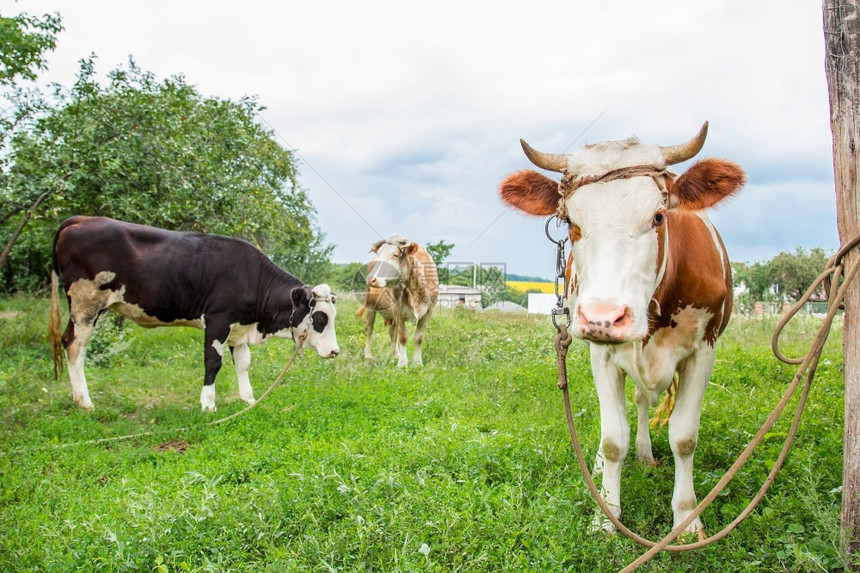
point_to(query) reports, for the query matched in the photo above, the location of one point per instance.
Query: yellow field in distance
(523, 286)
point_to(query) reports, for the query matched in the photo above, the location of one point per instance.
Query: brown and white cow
(649, 286)
(402, 285)
(155, 277)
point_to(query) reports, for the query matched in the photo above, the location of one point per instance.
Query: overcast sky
(406, 116)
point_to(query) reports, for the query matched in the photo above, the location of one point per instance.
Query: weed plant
(464, 464)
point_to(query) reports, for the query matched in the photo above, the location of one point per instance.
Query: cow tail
(360, 312)
(54, 328)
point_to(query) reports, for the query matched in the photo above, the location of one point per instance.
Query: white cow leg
(402, 339)
(402, 358)
(213, 352)
(643, 431)
(614, 431)
(207, 398)
(242, 362)
(369, 319)
(75, 357)
(684, 434)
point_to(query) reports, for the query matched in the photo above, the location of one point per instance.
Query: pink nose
(372, 281)
(603, 321)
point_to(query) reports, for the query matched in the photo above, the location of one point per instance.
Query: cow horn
(677, 153)
(549, 161)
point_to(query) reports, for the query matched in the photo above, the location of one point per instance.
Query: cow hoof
(86, 404)
(250, 401)
(648, 462)
(688, 537)
(209, 409)
(602, 525)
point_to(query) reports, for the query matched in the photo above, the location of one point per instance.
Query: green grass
(462, 465)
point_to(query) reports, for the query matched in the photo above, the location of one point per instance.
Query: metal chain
(560, 275)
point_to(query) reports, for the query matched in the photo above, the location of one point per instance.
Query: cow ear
(706, 183)
(375, 246)
(411, 248)
(530, 192)
(300, 297)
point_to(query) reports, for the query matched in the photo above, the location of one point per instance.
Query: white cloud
(413, 112)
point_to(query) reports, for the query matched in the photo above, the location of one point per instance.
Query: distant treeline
(526, 278)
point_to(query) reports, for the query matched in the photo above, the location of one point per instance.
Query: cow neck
(276, 285)
(409, 285)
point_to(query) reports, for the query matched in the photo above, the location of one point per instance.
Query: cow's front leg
(684, 433)
(242, 362)
(397, 328)
(643, 431)
(614, 430)
(215, 341)
(419, 339)
(369, 319)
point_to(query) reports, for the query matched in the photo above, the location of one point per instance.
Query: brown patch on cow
(611, 450)
(172, 446)
(706, 183)
(661, 245)
(87, 298)
(574, 232)
(570, 277)
(696, 274)
(686, 448)
(530, 192)
(687, 505)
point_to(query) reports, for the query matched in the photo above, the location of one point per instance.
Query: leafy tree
(347, 278)
(158, 153)
(793, 273)
(24, 40)
(785, 277)
(439, 251)
(755, 280)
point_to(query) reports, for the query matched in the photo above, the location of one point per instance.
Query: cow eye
(659, 217)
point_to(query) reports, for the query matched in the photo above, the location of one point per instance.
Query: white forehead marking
(601, 158)
(615, 203)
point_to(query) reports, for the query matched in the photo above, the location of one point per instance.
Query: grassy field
(462, 465)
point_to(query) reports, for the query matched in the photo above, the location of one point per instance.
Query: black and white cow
(155, 277)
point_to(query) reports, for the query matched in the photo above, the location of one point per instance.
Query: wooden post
(842, 66)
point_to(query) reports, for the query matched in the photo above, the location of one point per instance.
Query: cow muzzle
(603, 321)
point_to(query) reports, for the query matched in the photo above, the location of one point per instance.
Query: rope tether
(232, 416)
(808, 364)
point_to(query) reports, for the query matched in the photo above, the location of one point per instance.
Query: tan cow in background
(402, 285)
